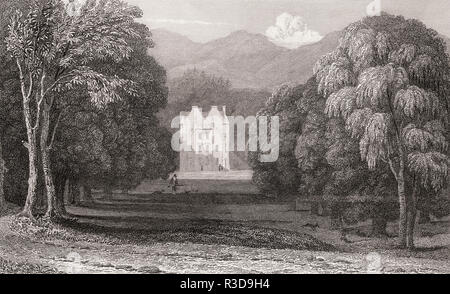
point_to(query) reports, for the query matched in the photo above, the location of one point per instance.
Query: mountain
(172, 49)
(247, 60)
(295, 66)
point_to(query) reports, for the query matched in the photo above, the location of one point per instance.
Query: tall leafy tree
(387, 80)
(312, 143)
(331, 169)
(11, 135)
(11, 121)
(355, 192)
(122, 143)
(133, 138)
(52, 48)
(105, 150)
(283, 176)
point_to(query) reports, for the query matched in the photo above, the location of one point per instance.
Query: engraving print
(224, 137)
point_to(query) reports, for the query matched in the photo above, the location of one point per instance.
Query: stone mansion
(207, 137)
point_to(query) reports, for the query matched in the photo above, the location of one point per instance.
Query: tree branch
(52, 140)
(391, 166)
(40, 101)
(30, 90)
(25, 95)
(52, 86)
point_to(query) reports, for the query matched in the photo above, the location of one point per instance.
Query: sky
(289, 23)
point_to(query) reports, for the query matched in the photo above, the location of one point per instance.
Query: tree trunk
(52, 212)
(32, 166)
(31, 145)
(425, 217)
(74, 192)
(411, 227)
(2, 178)
(417, 231)
(411, 223)
(67, 195)
(403, 219)
(88, 193)
(49, 185)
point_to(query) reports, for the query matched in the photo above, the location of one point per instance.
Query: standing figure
(174, 183)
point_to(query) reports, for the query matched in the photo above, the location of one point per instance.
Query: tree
(196, 88)
(281, 177)
(355, 192)
(312, 144)
(11, 130)
(121, 144)
(11, 135)
(79, 154)
(52, 50)
(332, 172)
(387, 81)
(112, 149)
(3, 170)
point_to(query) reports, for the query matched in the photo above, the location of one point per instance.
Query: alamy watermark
(374, 8)
(73, 7)
(74, 265)
(374, 263)
(228, 134)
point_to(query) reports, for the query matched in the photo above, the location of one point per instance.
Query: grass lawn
(188, 237)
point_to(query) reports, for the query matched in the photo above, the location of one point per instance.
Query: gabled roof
(205, 114)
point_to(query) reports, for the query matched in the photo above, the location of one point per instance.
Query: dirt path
(83, 257)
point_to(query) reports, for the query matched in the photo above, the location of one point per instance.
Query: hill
(247, 60)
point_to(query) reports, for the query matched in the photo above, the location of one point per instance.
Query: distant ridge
(247, 60)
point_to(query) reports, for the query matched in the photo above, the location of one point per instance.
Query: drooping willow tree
(387, 80)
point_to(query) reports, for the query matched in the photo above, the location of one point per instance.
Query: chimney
(224, 108)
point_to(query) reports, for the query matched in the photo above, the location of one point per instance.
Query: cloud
(291, 32)
(73, 7)
(187, 22)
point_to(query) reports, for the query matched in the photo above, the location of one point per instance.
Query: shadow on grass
(209, 232)
(183, 198)
(429, 249)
